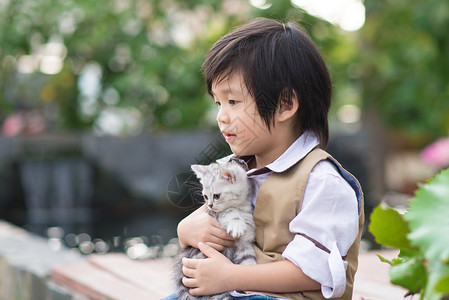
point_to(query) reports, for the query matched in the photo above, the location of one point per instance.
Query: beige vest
(279, 200)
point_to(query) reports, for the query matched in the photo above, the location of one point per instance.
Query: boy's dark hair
(277, 62)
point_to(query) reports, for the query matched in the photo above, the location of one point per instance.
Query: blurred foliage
(403, 66)
(420, 234)
(130, 45)
(140, 61)
(134, 58)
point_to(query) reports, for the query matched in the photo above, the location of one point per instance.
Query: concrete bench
(115, 276)
(29, 269)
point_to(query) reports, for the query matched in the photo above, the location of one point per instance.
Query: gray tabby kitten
(226, 191)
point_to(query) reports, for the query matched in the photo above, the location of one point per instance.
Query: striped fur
(226, 191)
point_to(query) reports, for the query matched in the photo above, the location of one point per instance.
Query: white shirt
(329, 215)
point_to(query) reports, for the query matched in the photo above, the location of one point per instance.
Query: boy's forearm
(184, 227)
(277, 277)
(180, 232)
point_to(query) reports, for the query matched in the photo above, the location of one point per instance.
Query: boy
(274, 91)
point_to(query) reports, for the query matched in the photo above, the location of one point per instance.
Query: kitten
(226, 191)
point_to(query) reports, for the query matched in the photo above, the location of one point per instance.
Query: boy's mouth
(228, 136)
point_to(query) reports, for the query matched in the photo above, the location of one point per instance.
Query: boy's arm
(199, 226)
(278, 277)
(218, 274)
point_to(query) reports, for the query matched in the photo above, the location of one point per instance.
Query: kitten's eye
(216, 196)
(205, 197)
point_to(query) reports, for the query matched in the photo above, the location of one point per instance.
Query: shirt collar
(297, 151)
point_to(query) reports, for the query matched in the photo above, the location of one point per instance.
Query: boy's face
(239, 120)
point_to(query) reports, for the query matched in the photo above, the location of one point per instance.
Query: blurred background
(103, 107)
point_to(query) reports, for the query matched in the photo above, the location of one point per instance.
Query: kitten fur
(226, 191)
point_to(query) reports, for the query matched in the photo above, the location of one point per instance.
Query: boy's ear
(287, 109)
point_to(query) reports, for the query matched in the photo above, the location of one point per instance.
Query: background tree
(402, 67)
(128, 66)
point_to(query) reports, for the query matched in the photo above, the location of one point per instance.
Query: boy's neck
(280, 145)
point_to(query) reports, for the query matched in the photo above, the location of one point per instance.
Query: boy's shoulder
(325, 168)
(326, 171)
(334, 177)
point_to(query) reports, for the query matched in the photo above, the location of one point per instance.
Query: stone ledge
(29, 269)
(116, 277)
(25, 264)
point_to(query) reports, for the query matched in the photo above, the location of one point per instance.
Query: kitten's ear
(227, 175)
(199, 170)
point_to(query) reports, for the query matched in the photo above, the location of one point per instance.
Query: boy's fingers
(221, 233)
(189, 273)
(217, 247)
(221, 241)
(207, 250)
(195, 292)
(189, 263)
(189, 282)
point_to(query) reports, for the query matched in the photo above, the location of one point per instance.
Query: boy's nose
(222, 116)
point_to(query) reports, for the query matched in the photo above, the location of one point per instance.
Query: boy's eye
(217, 103)
(232, 102)
(216, 196)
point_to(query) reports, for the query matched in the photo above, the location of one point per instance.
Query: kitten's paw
(236, 229)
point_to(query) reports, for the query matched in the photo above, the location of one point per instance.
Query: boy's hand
(207, 276)
(199, 226)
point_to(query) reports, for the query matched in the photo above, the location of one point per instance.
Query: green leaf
(408, 254)
(443, 285)
(428, 217)
(410, 274)
(383, 259)
(389, 228)
(437, 273)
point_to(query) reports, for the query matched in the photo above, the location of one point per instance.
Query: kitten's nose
(210, 205)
